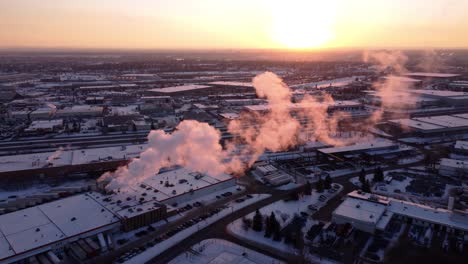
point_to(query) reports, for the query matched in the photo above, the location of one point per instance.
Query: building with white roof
(454, 168)
(432, 75)
(181, 88)
(372, 213)
(461, 147)
(51, 226)
(44, 126)
(54, 225)
(432, 125)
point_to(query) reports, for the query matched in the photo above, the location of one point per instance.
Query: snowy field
(154, 251)
(284, 211)
(214, 251)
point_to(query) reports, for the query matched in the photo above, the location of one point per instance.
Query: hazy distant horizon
(243, 24)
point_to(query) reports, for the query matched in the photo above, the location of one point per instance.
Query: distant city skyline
(242, 24)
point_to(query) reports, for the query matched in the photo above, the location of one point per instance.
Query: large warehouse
(432, 125)
(53, 226)
(66, 162)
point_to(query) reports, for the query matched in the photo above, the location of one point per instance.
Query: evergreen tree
(378, 175)
(327, 183)
(287, 237)
(276, 228)
(362, 176)
(257, 224)
(268, 226)
(366, 187)
(308, 188)
(319, 185)
(310, 233)
(299, 239)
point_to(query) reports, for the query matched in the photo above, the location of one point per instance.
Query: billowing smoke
(194, 145)
(431, 61)
(393, 90)
(276, 129)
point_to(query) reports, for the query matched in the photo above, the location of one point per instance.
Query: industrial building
(383, 149)
(56, 225)
(372, 213)
(442, 125)
(64, 163)
(454, 168)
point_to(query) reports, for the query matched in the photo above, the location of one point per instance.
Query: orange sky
(189, 24)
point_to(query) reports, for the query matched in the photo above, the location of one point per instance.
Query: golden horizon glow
(305, 24)
(240, 24)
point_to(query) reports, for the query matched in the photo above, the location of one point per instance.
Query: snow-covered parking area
(213, 251)
(160, 247)
(284, 211)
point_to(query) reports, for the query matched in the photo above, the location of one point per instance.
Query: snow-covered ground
(212, 251)
(154, 251)
(284, 211)
(411, 159)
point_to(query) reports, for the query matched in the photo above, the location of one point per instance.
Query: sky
(227, 24)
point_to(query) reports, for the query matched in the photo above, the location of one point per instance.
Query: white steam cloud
(197, 147)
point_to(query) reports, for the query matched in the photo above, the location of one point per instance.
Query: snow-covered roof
(41, 225)
(338, 82)
(157, 189)
(80, 109)
(432, 74)
(104, 87)
(434, 122)
(230, 83)
(415, 124)
(402, 79)
(439, 93)
(68, 157)
(360, 147)
(182, 88)
(371, 204)
(293, 106)
(445, 121)
(361, 210)
(45, 124)
(453, 163)
(229, 115)
(463, 145)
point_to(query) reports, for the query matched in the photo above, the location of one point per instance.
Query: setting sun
(303, 25)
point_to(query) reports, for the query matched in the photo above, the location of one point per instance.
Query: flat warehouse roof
(182, 88)
(445, 121)
(228, 83)
(432, 74)
(360, 146)
(441, 93)
(461, 144)
(76, 214)
(41, 225)
(360, 210)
